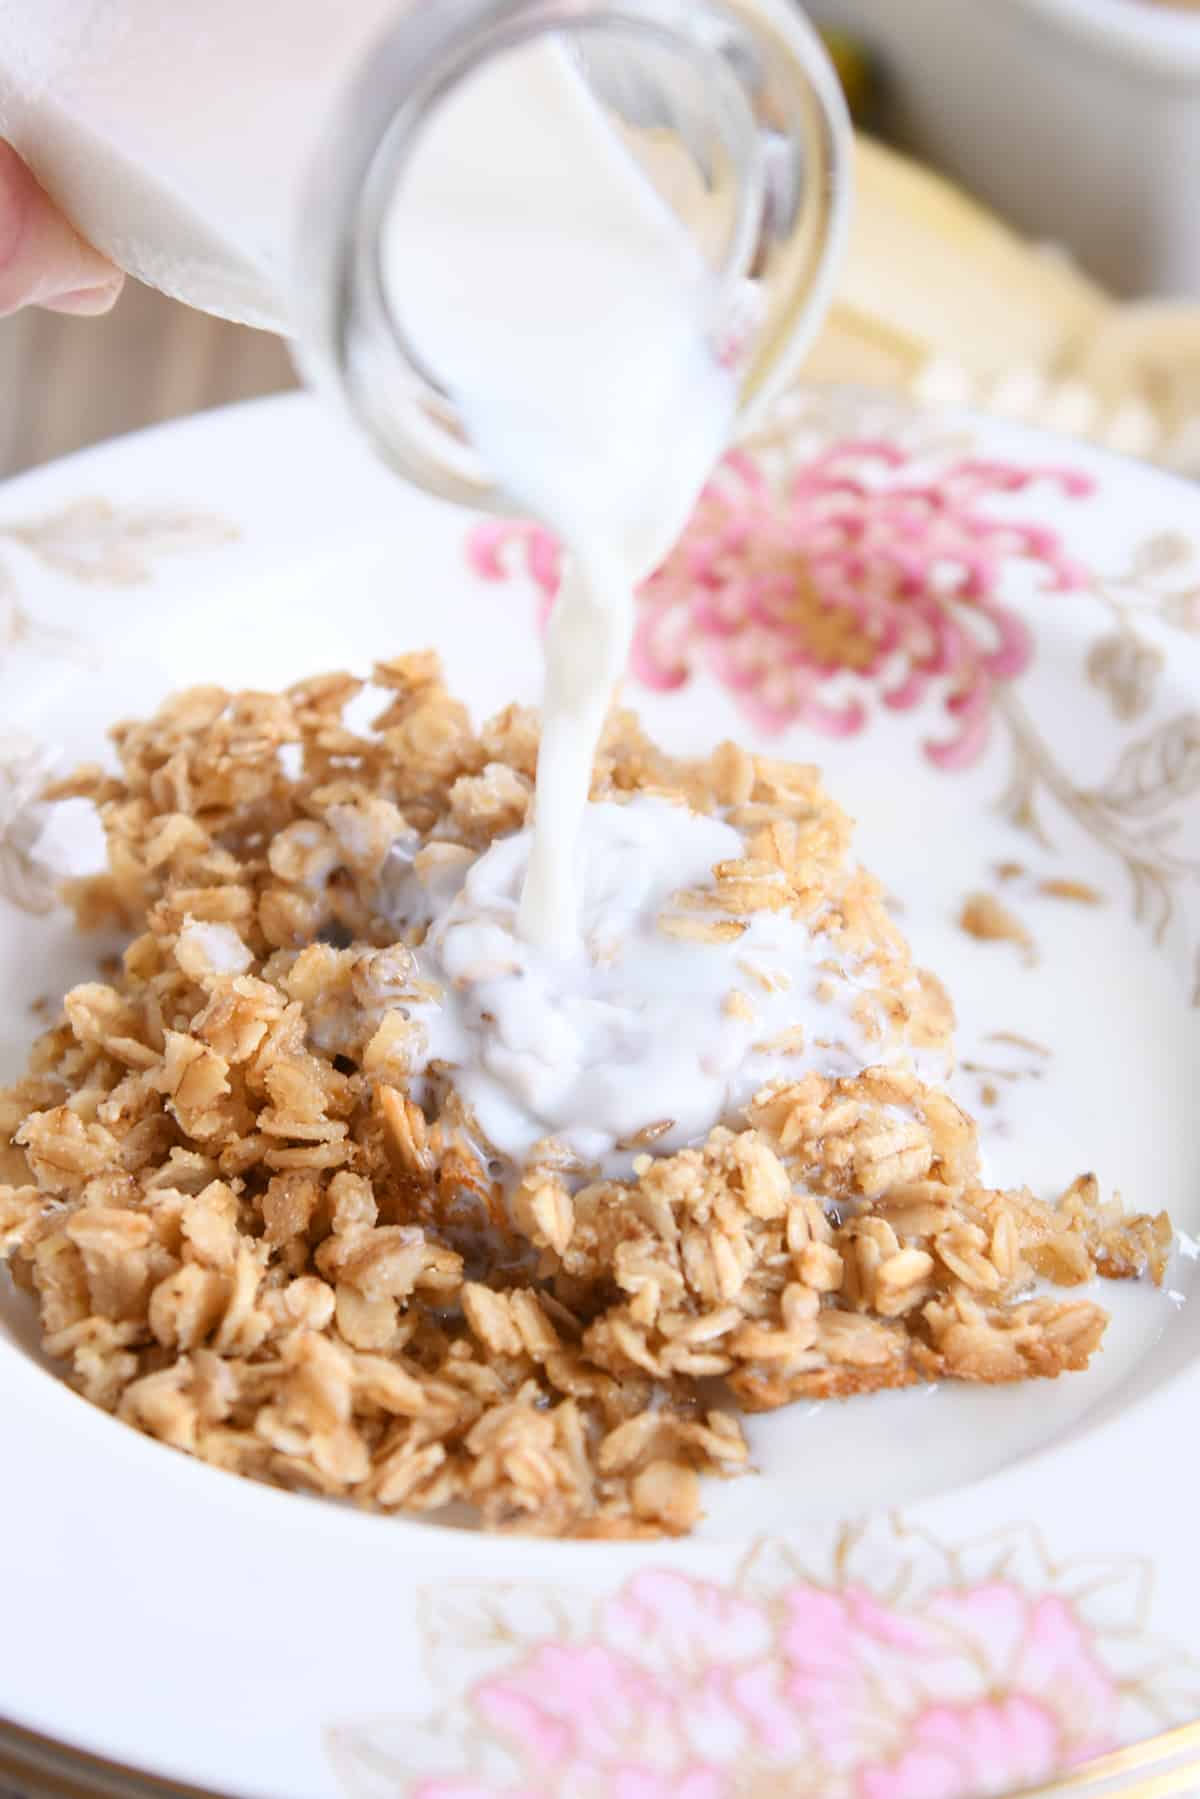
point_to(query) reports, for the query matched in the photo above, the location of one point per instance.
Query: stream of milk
(577, 340)
(569, 314)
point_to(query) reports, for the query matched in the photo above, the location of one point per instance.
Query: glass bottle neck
(730, 114)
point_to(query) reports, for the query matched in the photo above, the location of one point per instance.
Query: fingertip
(88, 302)
(43, 260)
(16, 184)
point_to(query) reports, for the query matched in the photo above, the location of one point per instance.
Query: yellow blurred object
(940, 298)
(930, 273)
(1152, 348)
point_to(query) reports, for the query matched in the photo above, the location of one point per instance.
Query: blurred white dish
(1078, 119)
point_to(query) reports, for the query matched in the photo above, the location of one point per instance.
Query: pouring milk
(582, 362)
(590, 382)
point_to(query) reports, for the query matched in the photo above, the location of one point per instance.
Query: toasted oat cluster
(246, 1238)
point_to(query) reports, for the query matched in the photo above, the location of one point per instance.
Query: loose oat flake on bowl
(252, 1232)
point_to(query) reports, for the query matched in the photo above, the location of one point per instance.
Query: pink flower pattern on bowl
(851, 577)
(912, 1672)
(814, 582)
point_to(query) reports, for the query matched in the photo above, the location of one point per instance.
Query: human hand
(43, 260)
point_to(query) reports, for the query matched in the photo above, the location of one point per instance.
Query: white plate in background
(1078, 120)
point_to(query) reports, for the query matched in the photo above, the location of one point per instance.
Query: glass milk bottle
(251, 157)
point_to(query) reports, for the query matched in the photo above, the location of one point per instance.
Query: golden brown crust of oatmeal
(245, 1238)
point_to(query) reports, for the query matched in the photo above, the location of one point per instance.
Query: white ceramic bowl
(950, 1591)
(1078, 119)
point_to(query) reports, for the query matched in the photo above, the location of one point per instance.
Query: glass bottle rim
(350, 339)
